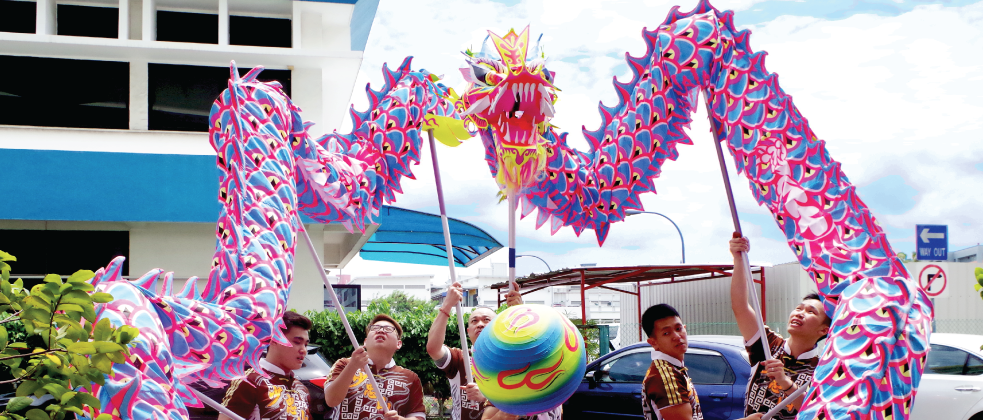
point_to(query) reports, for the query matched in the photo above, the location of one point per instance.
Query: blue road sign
(932, 242)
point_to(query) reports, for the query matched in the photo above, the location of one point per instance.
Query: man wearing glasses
(349, 392)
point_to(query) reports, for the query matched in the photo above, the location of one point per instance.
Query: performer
(281, 396)
(667, 391)
(795, 358)
(468, 401)
(348, 391)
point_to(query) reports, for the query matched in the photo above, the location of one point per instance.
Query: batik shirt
(400, 387)
(279, 397)
(763, 393)
(667, 384)
(452, 364)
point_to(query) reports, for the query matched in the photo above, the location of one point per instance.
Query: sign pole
(450, 256)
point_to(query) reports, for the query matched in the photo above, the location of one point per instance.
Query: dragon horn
(487, 48)
(536, 52)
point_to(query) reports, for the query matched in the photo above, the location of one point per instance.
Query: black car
(612, 386)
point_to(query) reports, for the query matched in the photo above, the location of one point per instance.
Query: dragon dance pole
(737, 228)
(511, 241)
(791, 397)
(450, 256)
(341, 311)
(218, 407)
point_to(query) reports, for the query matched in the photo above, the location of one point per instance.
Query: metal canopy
(409, 236)
(587, 278)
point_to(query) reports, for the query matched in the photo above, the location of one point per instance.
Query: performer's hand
(755, 416)
(738, 245)
(513, 297)
(391, 415)
(474, 394)
(360, 357)
(455, 294)
(775, 369)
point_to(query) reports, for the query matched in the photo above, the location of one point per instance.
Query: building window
(416, 286)
(260, 31)
(180, 97)
(200, 28)
(90, 94)
(98, 22)
(41, 252)
(18, 16)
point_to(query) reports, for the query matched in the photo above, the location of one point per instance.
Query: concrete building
(103, 130)
(604, 305)
(374, 287)
(705, 305)
(965, 255)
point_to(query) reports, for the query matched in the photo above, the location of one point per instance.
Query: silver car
(952, 384)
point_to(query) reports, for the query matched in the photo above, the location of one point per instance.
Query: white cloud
(890, 95)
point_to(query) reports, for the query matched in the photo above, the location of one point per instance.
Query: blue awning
(136, 187)
(408, 236)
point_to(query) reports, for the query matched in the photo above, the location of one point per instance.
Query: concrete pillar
(223, 22)
(139, 96)
(124, 19)
(135, 19)
(46, 23)
(149, 20)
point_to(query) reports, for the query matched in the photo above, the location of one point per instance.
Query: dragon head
(510, 100)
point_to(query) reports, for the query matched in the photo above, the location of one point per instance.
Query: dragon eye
(481, 73)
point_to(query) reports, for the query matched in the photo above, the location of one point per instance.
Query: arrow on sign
(926, 235)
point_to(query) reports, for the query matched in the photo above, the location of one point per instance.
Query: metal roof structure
(414, 237)
(587, 278)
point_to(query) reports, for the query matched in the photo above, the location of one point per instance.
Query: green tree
(58, 347)
(979, 281)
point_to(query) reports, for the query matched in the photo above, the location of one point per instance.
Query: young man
(795, 358)
(349, 391)
(281, 396)
(667, 391)
(469, 404)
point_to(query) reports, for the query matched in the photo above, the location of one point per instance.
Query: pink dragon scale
(878, 341)
(270, 169)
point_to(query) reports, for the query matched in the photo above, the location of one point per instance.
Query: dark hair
(293, 319)
(826, 320)
(384, 317)
(656, 313)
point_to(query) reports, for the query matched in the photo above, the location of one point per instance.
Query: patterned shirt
(763, 393)
(279, 397)
(452, 364)
(401, 388)
(667, 384)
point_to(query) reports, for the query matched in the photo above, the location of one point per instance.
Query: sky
(894, 87)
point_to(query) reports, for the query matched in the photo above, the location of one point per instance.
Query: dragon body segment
(881, 319)
(270, 170)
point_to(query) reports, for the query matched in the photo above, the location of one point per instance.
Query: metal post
(638, 284)
(450, 256)
(682, 243)
(791, 397)
(583, 300)
(764, 296)
(737, 228)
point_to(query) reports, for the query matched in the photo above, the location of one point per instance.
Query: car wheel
(977, 416)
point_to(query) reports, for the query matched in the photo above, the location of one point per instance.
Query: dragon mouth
(515, 111)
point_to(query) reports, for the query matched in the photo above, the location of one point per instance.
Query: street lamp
(681, 242)
(544, 261)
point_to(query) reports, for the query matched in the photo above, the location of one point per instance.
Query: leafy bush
(57, 347)
(979, 281)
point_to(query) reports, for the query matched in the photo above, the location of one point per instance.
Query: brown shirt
(400, 387)
(763, 393)
(279, 397)
(667, 384)
(452, 364)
